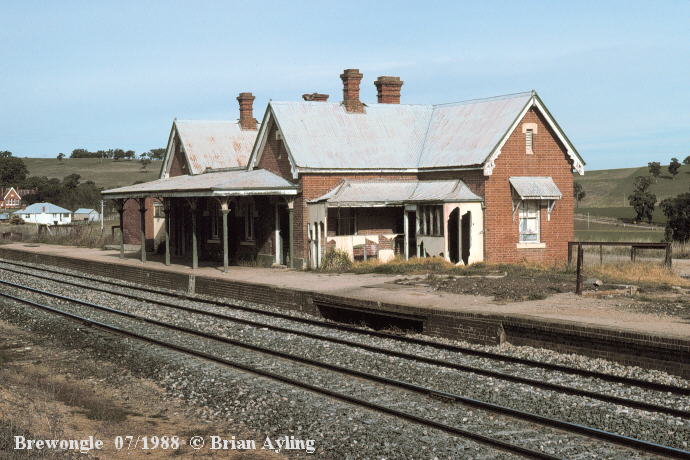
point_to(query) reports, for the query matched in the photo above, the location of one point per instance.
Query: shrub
(336, 260)
(16, 220)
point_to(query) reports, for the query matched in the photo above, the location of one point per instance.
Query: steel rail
(529, 453)
(591, 432)
(656, 386)
(399, 354)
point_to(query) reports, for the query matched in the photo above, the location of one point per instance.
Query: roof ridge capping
(489, 99)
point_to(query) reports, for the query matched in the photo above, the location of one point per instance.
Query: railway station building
(480, 180)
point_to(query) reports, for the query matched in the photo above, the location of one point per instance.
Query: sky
(114, 74)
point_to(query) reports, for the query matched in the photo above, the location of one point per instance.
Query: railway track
(504, 411)
(454, 430)
(398, 354)
(644, 384)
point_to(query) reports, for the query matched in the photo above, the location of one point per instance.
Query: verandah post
(291, 222)
(225, 209)
(195, 256)
(579, 282)
(142, 228)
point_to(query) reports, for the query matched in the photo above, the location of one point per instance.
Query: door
(412, 233)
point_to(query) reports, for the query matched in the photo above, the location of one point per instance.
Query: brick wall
(132, 223)
(501, 229)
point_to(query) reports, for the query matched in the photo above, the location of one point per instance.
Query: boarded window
(529, 139)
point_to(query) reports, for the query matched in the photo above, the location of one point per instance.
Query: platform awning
(223, 183)
(396, 193)
(535, 188)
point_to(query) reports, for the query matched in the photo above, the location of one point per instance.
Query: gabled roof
(324, 136)
(212, 145)
(39, 208)
(84, 211)
(390, 193)
(11, 189)
(225, 183)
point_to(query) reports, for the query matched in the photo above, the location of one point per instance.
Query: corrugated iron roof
(224, 181)
(84, 211)
(39, 208)
(212, 145)
(362, 193)
(323, 135)
(536, 188)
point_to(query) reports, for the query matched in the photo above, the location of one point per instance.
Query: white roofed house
(45, 213)
(480, 180)
(85, 214)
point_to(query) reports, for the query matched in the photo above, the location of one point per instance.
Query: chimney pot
(351, 79)
(247, 120)
(317, 97)
(388, 89)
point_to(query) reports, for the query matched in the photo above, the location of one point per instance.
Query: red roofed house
(11, 199)
(481, 180)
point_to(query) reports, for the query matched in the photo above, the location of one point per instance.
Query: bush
(16, 220)
(336, 261)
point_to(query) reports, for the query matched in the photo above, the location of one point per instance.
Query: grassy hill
(105, 173)
(608, 189)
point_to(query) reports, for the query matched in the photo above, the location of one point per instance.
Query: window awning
(535, 188)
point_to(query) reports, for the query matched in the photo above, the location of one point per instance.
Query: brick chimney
(247, 120)
(316, 97)
(351, 79)
(388, 89)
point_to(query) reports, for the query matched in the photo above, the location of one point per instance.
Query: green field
(609, 232)
(105, 173)
(609, 188)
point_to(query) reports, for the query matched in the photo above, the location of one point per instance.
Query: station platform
(565, 322)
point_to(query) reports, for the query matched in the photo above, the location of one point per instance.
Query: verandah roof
(535, 188)
(224, 183)
(397, 193)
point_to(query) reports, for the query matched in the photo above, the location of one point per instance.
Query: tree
(60, 156)
(578, 192)
(677, 212)
(145, 160)
(654, 168)
(13, 171)
(673, 167)
(687, 160)
(642, 200)
(159, 154)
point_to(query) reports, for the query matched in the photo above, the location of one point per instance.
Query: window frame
(350, 221)
(524, 214)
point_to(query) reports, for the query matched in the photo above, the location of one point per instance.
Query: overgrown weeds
(642, 273)
(336, 260)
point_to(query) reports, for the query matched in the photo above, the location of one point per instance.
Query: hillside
(105, 173)
(609, 188)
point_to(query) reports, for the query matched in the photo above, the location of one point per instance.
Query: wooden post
(406, 220)
(579, 281)
(633, 253)
(570, 253)
(166, 227)
(291, 223)
(120, 205)
(142, 228)
(668, 257)
(225, 210)
(195, 254)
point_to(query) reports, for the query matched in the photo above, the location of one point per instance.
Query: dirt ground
(51, 393)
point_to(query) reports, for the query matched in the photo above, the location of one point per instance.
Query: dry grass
(637, 273)
(438, 265)
(87, 236)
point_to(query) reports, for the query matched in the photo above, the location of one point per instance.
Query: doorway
(411, 233)
(453, 236)
(466, 225)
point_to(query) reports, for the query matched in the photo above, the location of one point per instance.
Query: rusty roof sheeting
(211, 145)
(224, 181)
(396, 193)
(536, 188)
(323, 135)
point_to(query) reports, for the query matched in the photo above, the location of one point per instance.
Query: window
(214, 217)
(158, 210)
(248, 211)
(431, 220)
(529, 221)
(529, 137)
(345, 222)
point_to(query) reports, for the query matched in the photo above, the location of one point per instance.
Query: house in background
(85, 214)
(481, 180)
(45, 213)
(11, 199)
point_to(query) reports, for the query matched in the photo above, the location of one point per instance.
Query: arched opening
(453, 236)
(466, 227)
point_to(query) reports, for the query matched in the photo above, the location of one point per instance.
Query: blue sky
(114, 74)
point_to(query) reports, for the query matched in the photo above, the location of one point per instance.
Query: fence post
(601, 254)
(668, 257)
(579, 281)
(633, 253)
